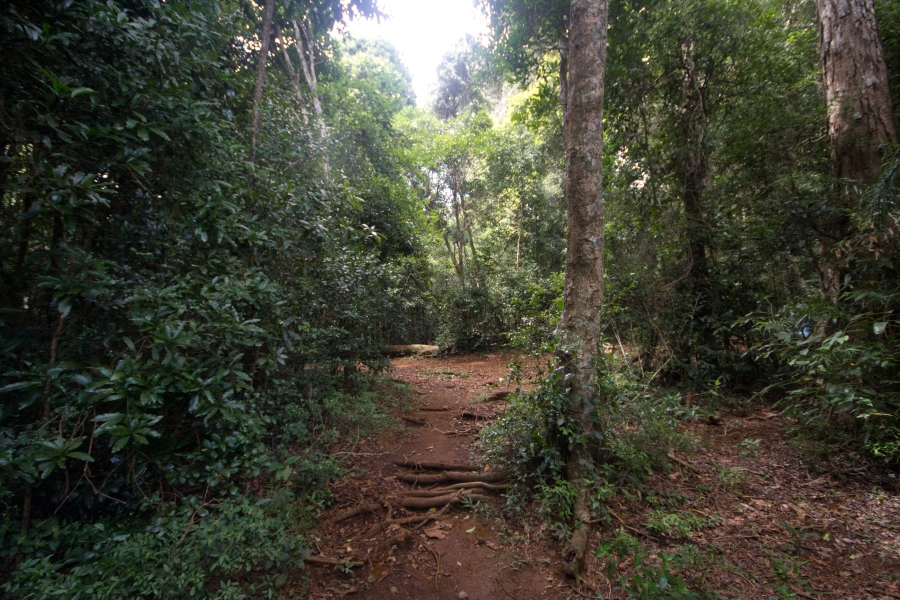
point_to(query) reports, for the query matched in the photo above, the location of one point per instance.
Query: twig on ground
(437, 565)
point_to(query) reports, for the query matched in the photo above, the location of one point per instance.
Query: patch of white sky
(423, 31)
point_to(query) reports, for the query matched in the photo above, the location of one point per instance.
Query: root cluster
(462, 483)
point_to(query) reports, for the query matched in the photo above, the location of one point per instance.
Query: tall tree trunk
(579, 326)
(307, 51)
(287, 65)
(860, 116)
(692, 166)
(261, 71)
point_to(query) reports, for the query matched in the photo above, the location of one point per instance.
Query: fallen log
(435, 466)
(411, 350)
(439, 501)
(355, 512)
(497, 396)
(450, 476)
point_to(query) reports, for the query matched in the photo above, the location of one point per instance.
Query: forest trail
(479, 556)
(739, 519)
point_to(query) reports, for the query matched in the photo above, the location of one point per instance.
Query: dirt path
(742, 517)
(478, 557)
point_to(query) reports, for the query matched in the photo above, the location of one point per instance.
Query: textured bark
(261, 70)
(580, 323)
(860, 117)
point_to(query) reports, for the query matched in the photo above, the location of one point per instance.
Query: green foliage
(234, 549)
(749, 448)
(676, 525)
(180, 315)
(651, 580)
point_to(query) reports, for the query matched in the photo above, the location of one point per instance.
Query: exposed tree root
(402, 536)
(429, 409)
(435, 466)
(500, 487)
(423, 503)
(449, 476)
(418, 520)
(419, 422)
(355, 512)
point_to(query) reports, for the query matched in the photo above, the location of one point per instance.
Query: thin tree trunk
(306, 50)
(293, 76)
(261, 71)
(692, 165)
(564, 76)
(580, 323)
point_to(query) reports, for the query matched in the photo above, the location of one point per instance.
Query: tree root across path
(457, 486)
(435, 466)
(448, 476)
(438, 501)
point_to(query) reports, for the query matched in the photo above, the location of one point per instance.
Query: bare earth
(831, 536)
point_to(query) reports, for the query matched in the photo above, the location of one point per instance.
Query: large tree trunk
(860, 117)
(579, 326)
(261, 71)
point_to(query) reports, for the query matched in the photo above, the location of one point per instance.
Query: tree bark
(860, 117)
(579, 326)
(307, 52)
(692, 166)
(261, 71)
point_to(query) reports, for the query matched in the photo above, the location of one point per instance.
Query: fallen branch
(355, 512)
(435, 466)
(324, 560)
(684, 464)
(448, 476)
(434, 493)
(496, 396)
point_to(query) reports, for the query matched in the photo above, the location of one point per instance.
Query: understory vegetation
(203, 256)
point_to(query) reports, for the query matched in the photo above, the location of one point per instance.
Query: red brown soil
(838, 538)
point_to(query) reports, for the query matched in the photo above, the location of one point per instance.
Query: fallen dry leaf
(436, 533)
